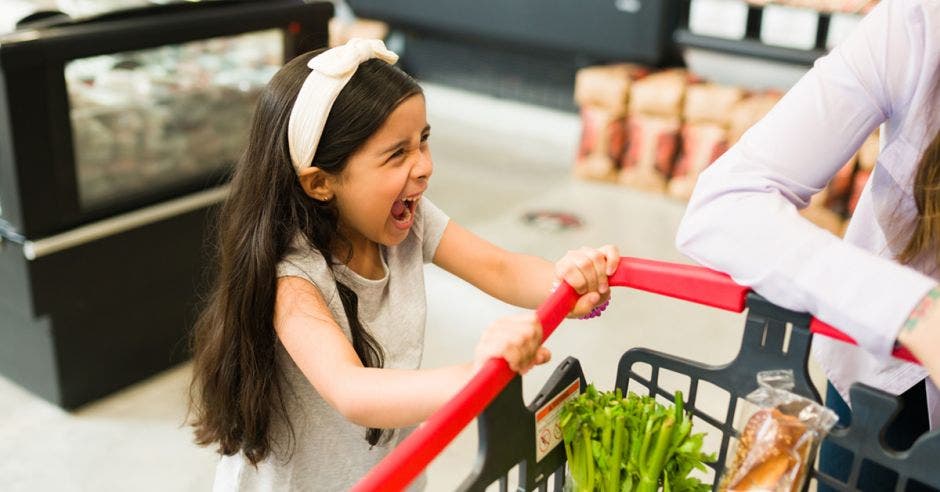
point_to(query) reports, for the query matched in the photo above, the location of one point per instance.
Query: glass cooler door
(155, 118)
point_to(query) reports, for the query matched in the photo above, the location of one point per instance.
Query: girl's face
(380, 187)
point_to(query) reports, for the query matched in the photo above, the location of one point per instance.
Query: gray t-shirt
(329, 452)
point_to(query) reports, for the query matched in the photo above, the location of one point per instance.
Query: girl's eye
(425, 137)
(398, 153)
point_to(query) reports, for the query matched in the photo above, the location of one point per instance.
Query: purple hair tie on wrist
(597, 310)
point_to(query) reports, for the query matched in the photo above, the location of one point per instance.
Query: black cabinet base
(105, 314)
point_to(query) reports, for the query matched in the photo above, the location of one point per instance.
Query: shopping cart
(512, 434)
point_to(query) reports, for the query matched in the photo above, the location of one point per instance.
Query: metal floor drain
(552, 220)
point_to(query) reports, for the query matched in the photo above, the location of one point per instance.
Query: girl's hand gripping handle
(406, 462)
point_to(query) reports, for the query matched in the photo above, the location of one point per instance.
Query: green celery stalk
(613, 474)
(647, 438)
(649, 481)
(607, 429)
(588, 458)
(630, 443)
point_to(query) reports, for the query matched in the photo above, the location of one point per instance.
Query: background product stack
(827, 208)
(659, 131)
(654, 120)
(603, 95)
(867, 157)
(834, 205)
(706, 114)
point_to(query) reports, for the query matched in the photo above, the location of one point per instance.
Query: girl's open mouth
(403, 210)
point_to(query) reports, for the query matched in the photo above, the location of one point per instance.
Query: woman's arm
(525, 280)
(384, 398)
(743, 219)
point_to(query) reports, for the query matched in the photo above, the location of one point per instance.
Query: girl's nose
(424, 167)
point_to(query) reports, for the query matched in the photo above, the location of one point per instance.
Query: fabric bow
(330, 71)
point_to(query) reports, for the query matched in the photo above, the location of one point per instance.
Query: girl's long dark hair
(237, 387)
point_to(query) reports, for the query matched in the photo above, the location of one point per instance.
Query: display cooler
(117, 134)
(524, 49)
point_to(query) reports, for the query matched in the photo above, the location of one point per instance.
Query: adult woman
(880, 283)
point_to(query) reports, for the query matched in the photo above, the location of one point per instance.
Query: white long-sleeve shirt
(742, 218)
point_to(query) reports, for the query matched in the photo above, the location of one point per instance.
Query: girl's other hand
(586, 270)
(517, 339)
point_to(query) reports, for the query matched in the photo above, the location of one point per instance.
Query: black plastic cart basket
(513, 434)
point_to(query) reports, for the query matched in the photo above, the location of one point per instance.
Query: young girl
(306, 356)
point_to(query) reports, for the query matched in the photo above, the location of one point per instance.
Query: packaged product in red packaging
(818, 213)
(840, 187)
(651, 152)
(858, 185)
(710, 103)
(607, 86)
(653, 129)
(829, 208)
(602, 133)
(779, 438)
(603, 137)
(702, 144)
(660, 94)
(603, 93)
(867, 157)
(704, 134)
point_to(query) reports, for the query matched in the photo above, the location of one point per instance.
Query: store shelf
(774, 32)
(748, 47)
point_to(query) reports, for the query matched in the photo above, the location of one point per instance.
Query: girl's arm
(743, 220)
(525, 280)
(384, 398)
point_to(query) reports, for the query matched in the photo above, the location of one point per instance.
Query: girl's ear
(317, 183)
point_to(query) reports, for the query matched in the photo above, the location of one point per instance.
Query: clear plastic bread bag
(780, 432)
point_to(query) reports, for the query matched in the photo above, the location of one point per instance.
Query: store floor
(495, 161)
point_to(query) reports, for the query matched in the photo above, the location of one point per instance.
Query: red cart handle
(686, 282)
(406, 461)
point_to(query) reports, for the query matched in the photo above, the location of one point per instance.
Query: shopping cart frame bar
(686, 282)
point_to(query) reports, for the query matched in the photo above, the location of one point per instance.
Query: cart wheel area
(774, 338)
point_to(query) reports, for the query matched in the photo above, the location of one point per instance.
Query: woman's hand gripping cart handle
(686, 282)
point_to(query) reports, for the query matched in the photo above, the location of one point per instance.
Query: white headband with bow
(332, 69)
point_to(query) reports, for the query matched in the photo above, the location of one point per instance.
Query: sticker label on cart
(547, 430)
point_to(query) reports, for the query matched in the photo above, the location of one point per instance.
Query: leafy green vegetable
(631, 444)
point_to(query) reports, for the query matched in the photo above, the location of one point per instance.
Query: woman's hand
(586, 270)
(517, 339)
(921, 333)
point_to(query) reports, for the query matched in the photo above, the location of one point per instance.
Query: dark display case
(117, 133)
(525, 49)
